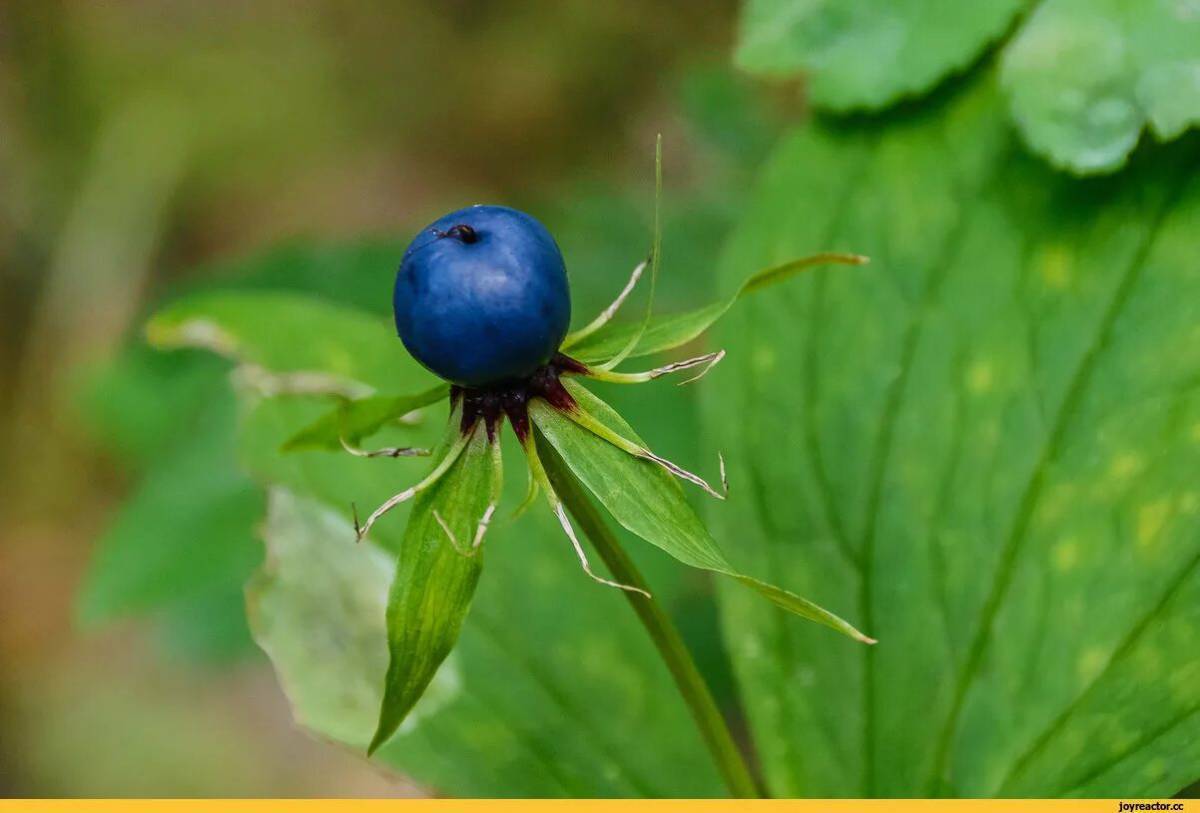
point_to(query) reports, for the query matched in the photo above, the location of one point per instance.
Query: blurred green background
(144, 148)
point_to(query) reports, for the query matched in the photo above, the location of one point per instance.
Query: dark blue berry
(481, 296)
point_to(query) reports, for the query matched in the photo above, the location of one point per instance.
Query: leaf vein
(1076, 389)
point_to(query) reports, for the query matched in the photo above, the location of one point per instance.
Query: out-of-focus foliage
(144, 562)
(982, 446)
(184, 544)
(290, 342)
(866, 54)
(1083, 78)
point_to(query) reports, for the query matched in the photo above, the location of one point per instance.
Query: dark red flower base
(512, 400)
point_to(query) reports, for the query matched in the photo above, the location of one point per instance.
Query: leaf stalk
(714, 730)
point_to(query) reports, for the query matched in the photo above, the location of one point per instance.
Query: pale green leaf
(990, 440)
(866, 54)
(1084, 78)
(292, 343)
(647, 501)
(323, 604)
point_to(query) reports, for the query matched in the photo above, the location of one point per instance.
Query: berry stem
(670, 645)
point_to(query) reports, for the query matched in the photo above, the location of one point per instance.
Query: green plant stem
(674, 652)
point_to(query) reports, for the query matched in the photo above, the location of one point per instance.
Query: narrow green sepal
(673, 330)
(353, 420)
(434, 583)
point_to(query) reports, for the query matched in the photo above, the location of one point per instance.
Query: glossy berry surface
(481, 296)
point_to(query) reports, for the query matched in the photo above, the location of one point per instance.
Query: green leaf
(144, 401)
(337, 478)
(538, 697)
(647, 501)
(867, 54)
(990, 439)
(209, 625)
(142, 562)
(674, 330)
(292, 343)
(434, 583)
(183, 546)
(324, 605)
(353, 420)
(356, 273)
(1084, 78)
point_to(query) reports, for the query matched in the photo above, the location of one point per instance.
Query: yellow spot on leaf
(980, 377)
(763, 358)
(1066, 554)
(1125, 465)
(1151, 518)
(1054, 266)
(1058, 500)
(1091, 662)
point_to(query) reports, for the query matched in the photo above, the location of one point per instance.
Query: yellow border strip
(596, 806)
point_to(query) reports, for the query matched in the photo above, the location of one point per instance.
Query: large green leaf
(356, 273)
(647, 501)
(865, 54)
(141, 562)
(990, 437)
(141, 403)
(321, 346)
(144, 562)
(1084, 77)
